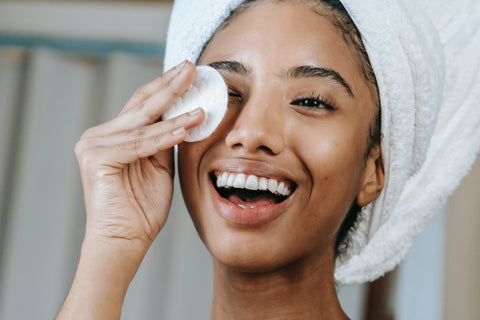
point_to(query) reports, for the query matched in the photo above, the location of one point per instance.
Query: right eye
(234, 96)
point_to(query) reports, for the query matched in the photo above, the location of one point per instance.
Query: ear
(373, 178)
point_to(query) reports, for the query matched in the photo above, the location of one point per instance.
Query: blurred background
(68, 65)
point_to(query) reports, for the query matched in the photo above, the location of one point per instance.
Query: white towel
(426, 58)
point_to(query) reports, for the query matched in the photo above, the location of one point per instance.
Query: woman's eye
(314, 103)
(234, 96)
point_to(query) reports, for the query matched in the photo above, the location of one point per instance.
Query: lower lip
(256, 216)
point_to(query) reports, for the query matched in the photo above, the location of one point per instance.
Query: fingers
(150, 88)
(120, 148)
(187, 120)
(150, 101)
(135, 149)
(136, 132)
(92, 155)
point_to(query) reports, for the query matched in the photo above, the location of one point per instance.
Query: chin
(247, 257)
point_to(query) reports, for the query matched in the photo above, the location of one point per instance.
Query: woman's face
(299, 115)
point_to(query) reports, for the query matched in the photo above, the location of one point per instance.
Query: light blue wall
(421, 276)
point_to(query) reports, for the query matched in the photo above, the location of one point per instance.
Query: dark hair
(340, 18)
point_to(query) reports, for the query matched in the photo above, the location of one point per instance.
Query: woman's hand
(127, 174)
(127, 163)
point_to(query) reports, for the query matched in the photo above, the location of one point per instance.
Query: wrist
(105, 270)
(130, 251)
(112, 259)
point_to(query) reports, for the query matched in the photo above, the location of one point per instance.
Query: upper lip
(253, 167)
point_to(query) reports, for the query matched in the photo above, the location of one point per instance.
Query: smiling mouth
(251, 191)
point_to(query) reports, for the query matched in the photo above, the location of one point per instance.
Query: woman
(303, 112)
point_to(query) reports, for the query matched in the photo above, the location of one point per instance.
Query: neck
(301, 290)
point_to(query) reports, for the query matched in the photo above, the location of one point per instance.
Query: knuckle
(79, 147)
(178, 121)
(141, 91)
(151, 115)
(86, 159)
(174, 89)
(86, 152)
(139, 132)
(88, 133)
(158, 140)
(82, 146)
(176, 92)
(172, 123)
(134, 145)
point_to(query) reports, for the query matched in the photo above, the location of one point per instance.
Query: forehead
(278, 35)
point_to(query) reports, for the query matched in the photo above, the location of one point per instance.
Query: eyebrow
(295, 72)
(312, 72)
(231, 66)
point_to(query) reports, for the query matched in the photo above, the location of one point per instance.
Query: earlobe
(373, 178)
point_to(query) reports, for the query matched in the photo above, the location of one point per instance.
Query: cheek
(192, 162)
(186, 156)
(328, 148)
(332, 153)
(189, 155)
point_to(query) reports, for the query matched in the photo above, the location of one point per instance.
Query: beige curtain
(462, 283)
(47, 99)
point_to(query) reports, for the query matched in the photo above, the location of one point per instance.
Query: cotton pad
(209, 92)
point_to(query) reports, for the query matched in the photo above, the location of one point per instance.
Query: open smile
(249, 199)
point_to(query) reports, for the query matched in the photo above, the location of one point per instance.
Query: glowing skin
(282, 252)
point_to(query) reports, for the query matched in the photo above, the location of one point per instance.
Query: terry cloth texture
(426, 58)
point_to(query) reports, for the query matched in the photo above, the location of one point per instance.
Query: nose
(258, 127)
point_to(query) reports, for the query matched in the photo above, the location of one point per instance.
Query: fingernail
(179, 131)
(195, 112)
(179, 66)
(182, 65)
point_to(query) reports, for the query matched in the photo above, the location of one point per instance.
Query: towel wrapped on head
(426, 59)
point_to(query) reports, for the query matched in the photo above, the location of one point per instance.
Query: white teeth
(224, 178)
(263, 184)
(239, 181)
(272, 185)
(251, 182)
(221, 181)
(281, 188)
(230, 180)
(245, 207)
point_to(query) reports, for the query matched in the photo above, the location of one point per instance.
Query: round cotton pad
(209, 92)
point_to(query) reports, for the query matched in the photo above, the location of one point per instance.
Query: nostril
(254, 130)
(267, 150)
